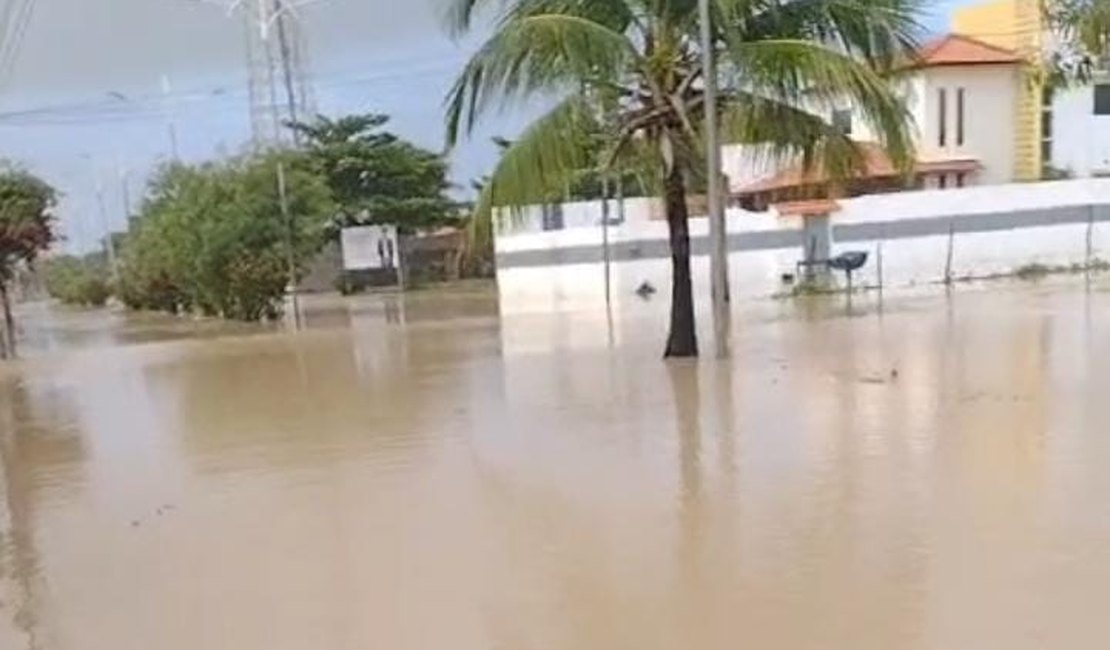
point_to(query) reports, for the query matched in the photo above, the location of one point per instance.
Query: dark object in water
(848, 262)
(645, 290)
(787, 278)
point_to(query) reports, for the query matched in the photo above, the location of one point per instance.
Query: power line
(150, 107)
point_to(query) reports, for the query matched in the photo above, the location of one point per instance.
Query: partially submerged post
(290, 258)
(816, 236)
(951, 250)
(1090, 251)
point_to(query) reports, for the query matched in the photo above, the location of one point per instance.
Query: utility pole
(718, 252)
(171, 127)
(125, 195)
(109, 244)
(606, 253)
(286, 66)
(290, 258)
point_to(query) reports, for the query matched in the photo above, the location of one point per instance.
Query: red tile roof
(957, 49)
(876, 164)
(809, 208)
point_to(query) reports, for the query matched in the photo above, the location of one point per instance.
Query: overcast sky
(389, 56)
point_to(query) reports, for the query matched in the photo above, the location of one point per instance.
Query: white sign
(369, 247)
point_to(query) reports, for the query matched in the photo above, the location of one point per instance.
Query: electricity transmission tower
(278, 83)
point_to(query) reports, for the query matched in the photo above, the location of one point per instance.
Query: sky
(83, 107)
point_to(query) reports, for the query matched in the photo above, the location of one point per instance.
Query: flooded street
(424, 474)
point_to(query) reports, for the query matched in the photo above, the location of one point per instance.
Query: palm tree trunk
(683, 339)
(9, 322)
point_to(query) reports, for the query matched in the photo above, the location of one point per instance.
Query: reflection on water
(415, 472)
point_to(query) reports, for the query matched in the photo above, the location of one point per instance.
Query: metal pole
(948, 258)
(605, 252)
(124, 191)
(286, 66)
(607, 257)
(290, 259)
(109, 245)
(718, 252)
(125, 195)
(171, 128)
(402, 272)
(879, 262)
(1090, 238)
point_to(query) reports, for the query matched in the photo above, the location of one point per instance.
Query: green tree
(374, 176)
(1082, 45)
(629, 72)
(213, 238)
(27, 228)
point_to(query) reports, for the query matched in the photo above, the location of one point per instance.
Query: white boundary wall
(561, 270)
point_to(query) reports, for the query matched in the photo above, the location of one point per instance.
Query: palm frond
(533, 55)
(614, 14)
(881, 32)
(781, 133)
(806, 75)
(537, 167)
(461, 14)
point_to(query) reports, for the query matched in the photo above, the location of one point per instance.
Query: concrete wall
(997, 230)
(576, 215)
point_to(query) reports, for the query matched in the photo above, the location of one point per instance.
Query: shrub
(78, 281)
(213, 238)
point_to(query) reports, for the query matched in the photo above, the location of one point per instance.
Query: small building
(1061, 133)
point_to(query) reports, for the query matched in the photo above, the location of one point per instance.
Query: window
(1102, 99)
(959, 116)
(942, 116)
(960, 179)
(842, 120)
(942, 181)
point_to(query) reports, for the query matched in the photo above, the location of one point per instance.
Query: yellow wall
(1015, 25)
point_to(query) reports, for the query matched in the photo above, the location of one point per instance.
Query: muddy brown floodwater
(425, 474)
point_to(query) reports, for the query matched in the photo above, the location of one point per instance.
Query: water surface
(425, 474)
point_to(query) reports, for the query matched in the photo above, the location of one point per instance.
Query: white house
(962, 96)
(1076, 129)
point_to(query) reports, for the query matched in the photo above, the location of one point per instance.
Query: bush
(213, 239)
(78, 281)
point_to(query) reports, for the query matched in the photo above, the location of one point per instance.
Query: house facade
(1017, 26)
(1065, 132)
(1077, 130)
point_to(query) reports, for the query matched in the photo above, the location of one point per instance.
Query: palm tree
(628, 72)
